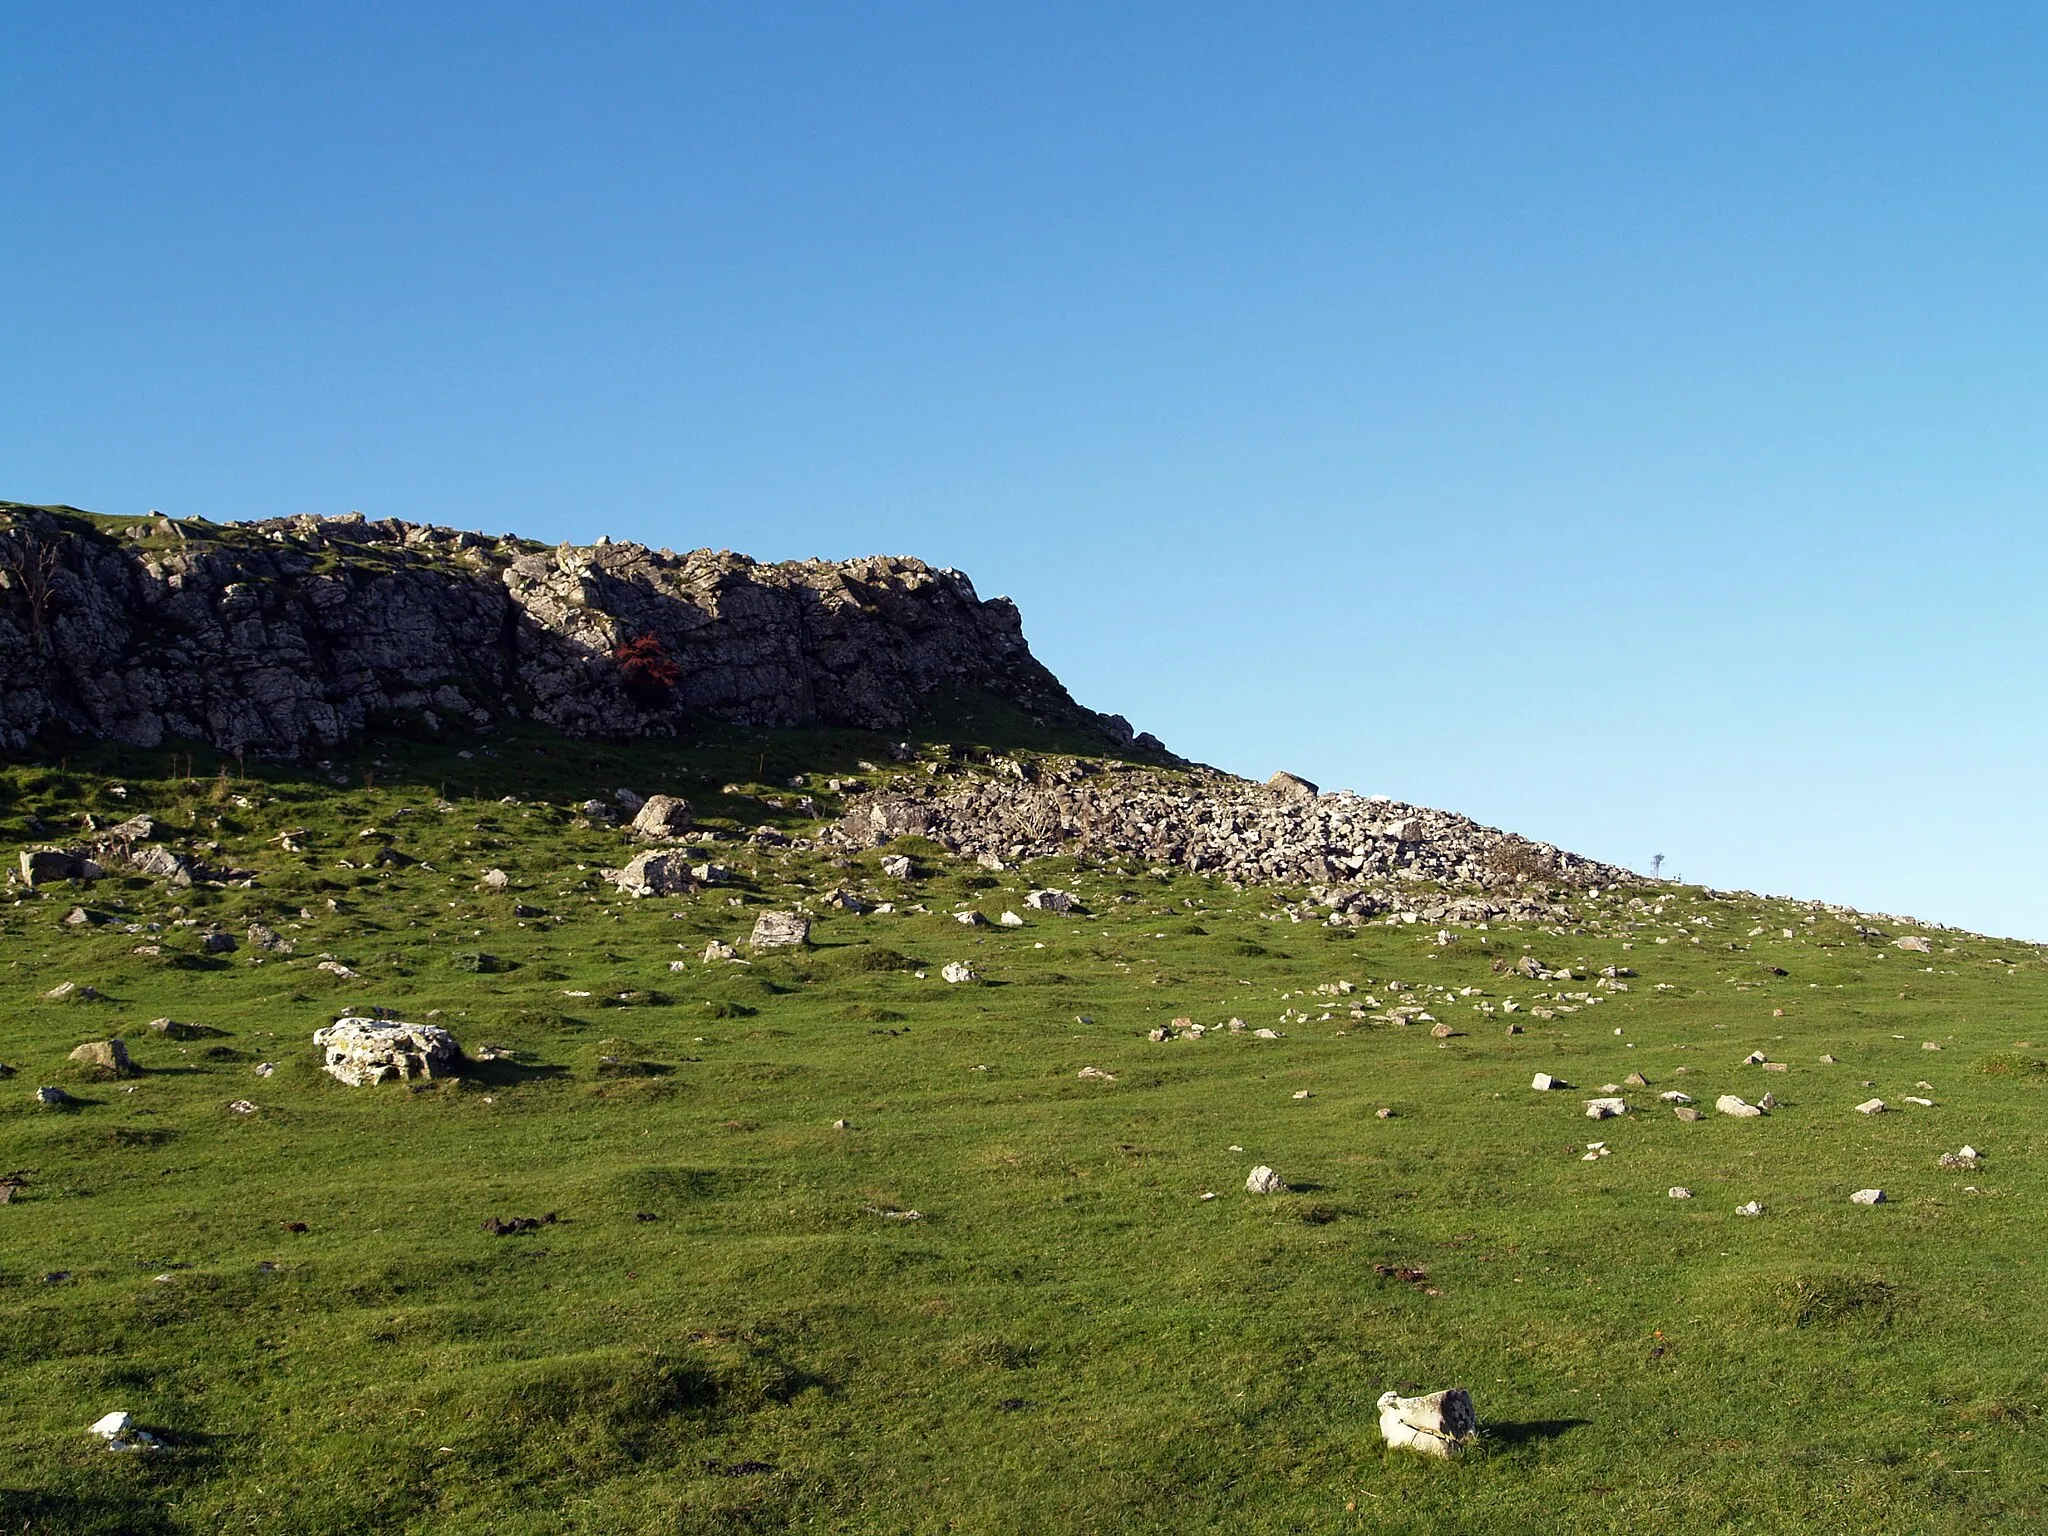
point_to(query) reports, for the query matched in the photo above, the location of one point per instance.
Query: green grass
(732, 1326)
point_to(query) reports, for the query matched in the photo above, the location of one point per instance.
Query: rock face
(294, 632)
(1441, 1424)
(362, 1051)
(1359, 856)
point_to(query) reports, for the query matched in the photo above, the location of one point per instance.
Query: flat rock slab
(1729, 1104)
(364, 1051)
(780, 930)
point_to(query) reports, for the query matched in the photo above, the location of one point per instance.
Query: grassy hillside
(735, 1323)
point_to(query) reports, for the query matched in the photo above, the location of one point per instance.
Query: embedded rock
(1440, 1424)
(656, 874)
(108, 1056)
(1264, 1181)
(363, 1051)
(780, 930)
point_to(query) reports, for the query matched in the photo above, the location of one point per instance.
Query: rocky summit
(299, 632)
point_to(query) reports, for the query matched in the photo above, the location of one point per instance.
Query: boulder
(1870, 1107)
(780, 930)
(896, 866)
(159, 863)
(267, 939)
(1440, 1424)
(1605, 1109)
(107, 1056)
(662, 816)
(1264, 1181)
(656, 874)
(496, 880)
(1729, 1104)
(1867, 1197)
(1292, 786)
(958, 972)
(1915, 943)
(362, 1051)
(42, 866)
(1050, 901)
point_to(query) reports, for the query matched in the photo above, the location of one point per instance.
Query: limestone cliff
(294, 633)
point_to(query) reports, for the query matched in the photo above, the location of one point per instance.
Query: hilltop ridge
(291, 634)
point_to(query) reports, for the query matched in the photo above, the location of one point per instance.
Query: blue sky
(1625, 424)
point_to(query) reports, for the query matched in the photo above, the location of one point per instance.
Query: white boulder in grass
(780, 930)
(1867, 1197)
(1605, 1109)
(1440, 1424)
(1264, 1181)
(364, 1051)
(1729, 1104)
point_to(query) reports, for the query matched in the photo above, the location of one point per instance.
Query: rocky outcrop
(1361, 857)
(365, 1051)
(296, 633)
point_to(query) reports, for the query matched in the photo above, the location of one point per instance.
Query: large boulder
(109, 1057)
(1050, 901)
(361, 1051)
(780, 930)
(656, 874)
(662, 816)
(1292, 786)
(43, 866)
(1440, 1424)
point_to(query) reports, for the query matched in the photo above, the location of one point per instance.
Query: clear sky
(1626, 424)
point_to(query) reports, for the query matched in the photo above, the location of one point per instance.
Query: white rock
(1264, 1181)
(1095, 1075)
(1753, 1208)
(496, 879)
(1870, 1107)
(1914, 942)
(969, 919)
(111, 1425)
(1050, 901)
(363, 1051)
(1679, 1192)
(958, 971)
(1542, 1082)
(718, 950)
(1673, 1096)
(1867, 1197)
(655, 874)
(1916, 1099)
(1755, 1059)
(1729, 1104)
(1011, 920)
(780, 930)
(1441, 1424)
(1266, 1034)
(1605, 1109)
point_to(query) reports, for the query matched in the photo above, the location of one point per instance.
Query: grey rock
(958, 972)
(663, 816)
(364, 1051)
(896, 866)
(780, 930)
(1049, 901)
(107, 1056)
(293, 632)
(1264, 1181)
(1867, 1197)
(1440, 1424)
(1290, 786)
(1729, 1104)
(656, 874)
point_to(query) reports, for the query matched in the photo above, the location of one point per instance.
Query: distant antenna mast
(1656, 866)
